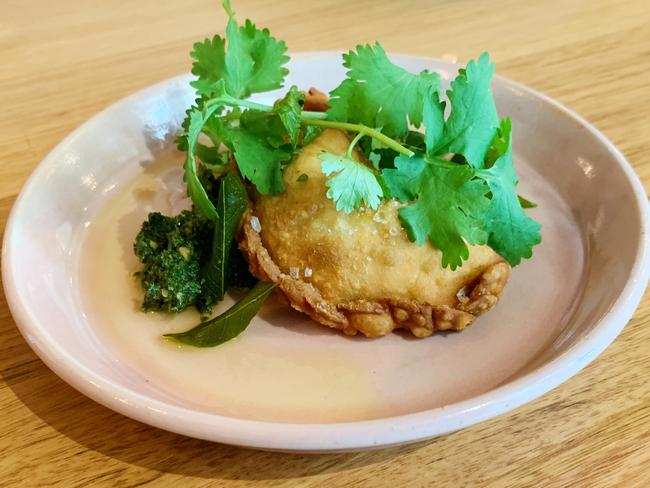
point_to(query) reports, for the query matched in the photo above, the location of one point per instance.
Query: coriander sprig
(456, 175)
(361, 130)
(225, 100)
(316, 119)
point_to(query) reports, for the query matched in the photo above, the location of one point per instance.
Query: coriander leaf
(229, 324)
(434, 119)
(354, 183)
(231, 205)
(511, 232)
(266, 126)
(258, 162)
(447, 212)
(197, 119)
(181, 137)
(404, 181)
(194, 188)
(205, 88)
(211, 157)
(209, 59)
(308, 133)
(254, 60)
(382, 156)
(379, 155)
(500, 146)
(378, 93)
(289, 109)
(500, 143)
(279, 126)
(349, 103)
(473, 120)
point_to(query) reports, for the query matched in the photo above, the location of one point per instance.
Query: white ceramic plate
(287, 383)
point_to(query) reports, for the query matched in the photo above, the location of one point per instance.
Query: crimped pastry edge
(380, 317)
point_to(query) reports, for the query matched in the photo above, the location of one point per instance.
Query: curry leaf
(231, 205)
(229, 324)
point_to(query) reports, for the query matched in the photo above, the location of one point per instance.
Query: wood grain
(63, 61)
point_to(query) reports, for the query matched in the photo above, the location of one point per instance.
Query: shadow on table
(99, 429)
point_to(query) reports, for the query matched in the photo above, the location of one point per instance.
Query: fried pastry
(359, 272)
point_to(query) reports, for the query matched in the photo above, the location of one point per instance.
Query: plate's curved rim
(334, 436)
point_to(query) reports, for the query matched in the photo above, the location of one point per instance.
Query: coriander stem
(313, 115)
(315, 119)
(362, 129)
(238, 102)
(356, 139)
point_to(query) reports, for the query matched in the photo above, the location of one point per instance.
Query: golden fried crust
(359, 272)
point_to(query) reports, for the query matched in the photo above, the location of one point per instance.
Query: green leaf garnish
(229, 324)
(209, 56)
(404, 181)
(449, 173)
(254, 61)
(212, 158)
(353, 184)
(434, 120)
(231, 205)
(511, 232)
(289, 109)
(473, 119)
(259, 162)
(278, 126)
(194, 189)
(380, 94)
(455, 177)
(500, 143)
(448, 211)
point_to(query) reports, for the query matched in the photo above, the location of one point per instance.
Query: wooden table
(62, 61)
